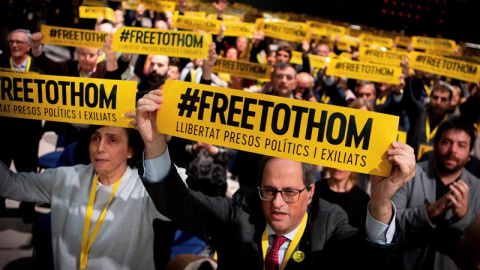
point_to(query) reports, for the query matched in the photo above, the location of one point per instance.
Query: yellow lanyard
(381, 101)
(325, 98)
(427, 89)
(292, 245)
(431, 134)
(27, 68)
(87, 242)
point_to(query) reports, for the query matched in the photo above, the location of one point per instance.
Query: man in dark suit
(261, 229)
(20, 138)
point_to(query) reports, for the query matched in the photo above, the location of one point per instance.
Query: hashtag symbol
(338, 66)
(124, 35)
(419, 58)
(53, 33)
(188, 102)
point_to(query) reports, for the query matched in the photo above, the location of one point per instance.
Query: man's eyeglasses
(289, 195)
(17, 41)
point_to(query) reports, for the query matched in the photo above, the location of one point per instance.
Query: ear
(311, 192)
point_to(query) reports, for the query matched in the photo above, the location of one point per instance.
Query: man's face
(304, 82)
(284, 82)
(242, 43)
(119, 18)
(18, 44)
(159, 64)
(323, 50)
(452, 151)
(454, 102)
(283, 57)
(279, 174)
(87, 59)
(439, 102)
(366, 92)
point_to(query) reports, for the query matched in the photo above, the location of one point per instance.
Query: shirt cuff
(156, 169)
(378, 232)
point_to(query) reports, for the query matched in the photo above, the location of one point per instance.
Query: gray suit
(411, 201)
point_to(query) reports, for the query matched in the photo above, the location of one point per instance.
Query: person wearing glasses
(277, 225)
(20, 142)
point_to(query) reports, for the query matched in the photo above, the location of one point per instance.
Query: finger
(462, 186)
(455, 203)
(455, 192)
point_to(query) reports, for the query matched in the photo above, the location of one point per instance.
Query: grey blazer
(421, 235)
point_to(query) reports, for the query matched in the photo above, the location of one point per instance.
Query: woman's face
(109, 151)
(339, 175)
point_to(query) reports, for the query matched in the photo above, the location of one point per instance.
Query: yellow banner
(325, 29)
(98, 3)
(436, 44)
(243, 69)
(310, 132)
(296, 32)
(195, 14)
(402, 136)
(95, 12)
(403, 41)
(346, 41)
(451, 68)
(371, 40)
(315, 60)
(130, 5)
(160, 6)
(381, 57)
(72, 37)
(239, 29)
(364, 71)
(67, 99)
(193, 23)
(139, 40)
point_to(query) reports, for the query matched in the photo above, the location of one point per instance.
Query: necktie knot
(271, 261)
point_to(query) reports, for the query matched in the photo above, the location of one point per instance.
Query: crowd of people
(118, 195)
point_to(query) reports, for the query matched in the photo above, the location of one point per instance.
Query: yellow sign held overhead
(86, 12)
(403, 41)
(195, 14)
(193, 23)
(325, 29)
(67, 99)
(160, 6)
(364, 71)
(290, 31)
(451, 68)
(371, 40)
(381, 57)
(239, 29)
(435, 44)
(310, 132)
(139, 40)
(72, 37)
(243, 69)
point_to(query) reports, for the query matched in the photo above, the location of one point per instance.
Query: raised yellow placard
(315, 60)
(289, 31)
(139, 40)
(403, 41)
(326, 29)
(296, 58)
(364, 71)
(439, 44)
(380, 56)
(67, 99)
(160, 6)
(243, 69)
(310, 132)
(451, 68)
(86, 12)
(195, 14)
(194, 23)
(64, 36)
(239, 29)
(402, 136)
(371, 40)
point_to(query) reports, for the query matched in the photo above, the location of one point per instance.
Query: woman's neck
(340, 185)
(112, 178)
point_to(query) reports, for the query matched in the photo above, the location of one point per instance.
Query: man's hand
(146, 124)
(36, 43)
(220, 6)
(402, 158)
(110, 55)
(459, 198)
(438, 207)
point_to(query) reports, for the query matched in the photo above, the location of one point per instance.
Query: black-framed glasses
(289, 195)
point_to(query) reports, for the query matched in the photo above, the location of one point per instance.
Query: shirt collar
(289, 235)
(22, 67)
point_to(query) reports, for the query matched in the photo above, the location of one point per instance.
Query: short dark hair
(459, 123)
(286, 47)
(282, 66)
(308, 170)
(442, 88)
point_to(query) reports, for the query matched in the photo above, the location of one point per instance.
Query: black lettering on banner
(286, 119)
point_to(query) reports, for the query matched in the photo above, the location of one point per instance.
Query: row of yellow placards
(305, 131)
(190, 44)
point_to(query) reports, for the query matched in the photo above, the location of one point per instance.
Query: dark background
(453, 19)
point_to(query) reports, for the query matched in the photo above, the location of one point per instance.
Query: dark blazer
(234, 228)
